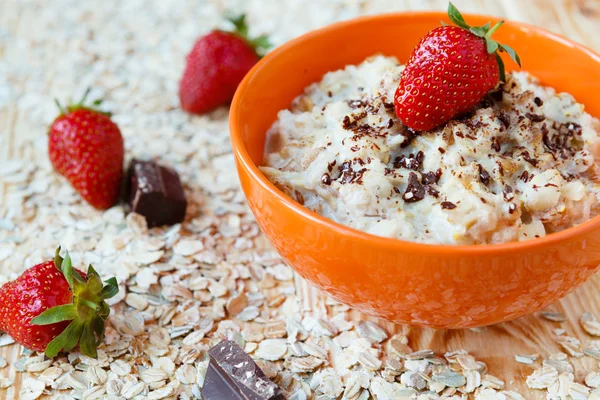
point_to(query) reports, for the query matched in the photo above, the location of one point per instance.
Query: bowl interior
(283, 74)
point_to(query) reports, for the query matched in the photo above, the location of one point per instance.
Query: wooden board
(496, 345)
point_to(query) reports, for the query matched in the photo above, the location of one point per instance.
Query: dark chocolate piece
(232, 375)
(156, 193)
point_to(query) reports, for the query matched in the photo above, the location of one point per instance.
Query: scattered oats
(578, 392)
(96, 375)
(32, 389)
(593, 379)
(345, 339)
(137, 301)
(217, 289)
(526, 359)
(592, 352)
(327, 382)
(341, 323)
(248, 314)
(137, 223)
(3, 363)
(393, 364)
(554, 316)
(5, 340)
(397, 347)
(314, 350)
(473, 380)
(188, 247)
(250, 347)
(50, 375)
(159, 336)
(467, 362)
(490, 381)
(512, 395)
(571, 345)
(489, 394)
(559, 331)
(420, 355)
(94, 393)
(165, 364)
(542, 378)
(450, 379)
(237, 304)
(132, 389)
(559, 365)
(281, 272)
(275, 329)
(369, 361)
(120, 367)
(21, 364)
(271, 349)
(152, 375)
(304, 364)
(198, 283)
(413, 379)
(590, 323)
(5, 382)
(371, 331)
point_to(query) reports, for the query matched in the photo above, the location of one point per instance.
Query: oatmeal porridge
(520, 166)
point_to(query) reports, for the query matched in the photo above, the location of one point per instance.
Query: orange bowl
(440, 286)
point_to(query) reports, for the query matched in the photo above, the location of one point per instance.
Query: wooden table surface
(495, 345)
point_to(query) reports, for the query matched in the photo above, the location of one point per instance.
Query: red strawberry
(216, 65)
(449, 72)
(86, 147)
(50, 307)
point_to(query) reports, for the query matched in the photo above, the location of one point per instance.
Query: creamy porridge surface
(519, 167)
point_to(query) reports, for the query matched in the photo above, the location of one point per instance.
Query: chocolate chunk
(431, 177)
(535, 117)
(413, 161)
(156, 193)
(232, 374)
(508, 193)
(326, 179)
(448, 205)
(538, 102)
(414, 191)
(484, 176)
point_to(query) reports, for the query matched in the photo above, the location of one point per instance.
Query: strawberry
(449, 72)
(216, 65)
(86, 147)
(53, 307)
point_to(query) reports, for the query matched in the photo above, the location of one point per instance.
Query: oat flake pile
(186, 287)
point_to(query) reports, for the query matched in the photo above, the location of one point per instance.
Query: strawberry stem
(485, 32)
(494, 29)
(260, 44)
(60, 107)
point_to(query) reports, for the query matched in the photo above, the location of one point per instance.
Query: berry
(451, 69)
(86, 147)
(216, 65)
(52, 307)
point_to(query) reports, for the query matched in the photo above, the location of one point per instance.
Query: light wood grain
(496, 345)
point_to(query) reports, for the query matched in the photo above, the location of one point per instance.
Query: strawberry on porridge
(516, 164)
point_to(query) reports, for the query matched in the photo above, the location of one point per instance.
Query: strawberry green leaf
(261, 44)
(111, 288)
(74, 336)
(65, 339)
(67, 269)
(512, 53)
(477, 31)
(98, 328)
(87, 343)
(456, 17)
(492, 46)
(239, 22)
(500, 67)
(66, 312)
